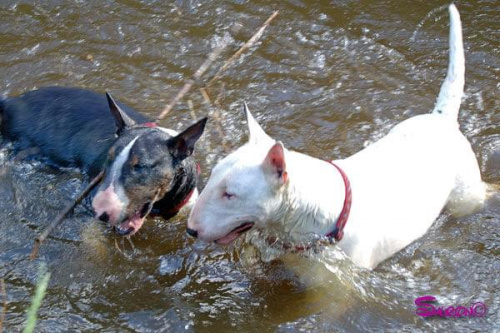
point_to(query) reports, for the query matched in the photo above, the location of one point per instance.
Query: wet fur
(400, 184)
(61, 125)
(73, 127)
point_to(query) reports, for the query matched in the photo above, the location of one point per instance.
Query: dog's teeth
(122, 232)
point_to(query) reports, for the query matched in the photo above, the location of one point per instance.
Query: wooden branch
(197, 75)
(62, 215)
(208, 62)
(216, 116)
(245, 47)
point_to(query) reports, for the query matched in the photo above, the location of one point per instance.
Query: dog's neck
(184, 184)
(312, 200)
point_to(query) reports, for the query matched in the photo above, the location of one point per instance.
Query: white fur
(169, 131)
(113, 199)
(116, 168)
(450, 95)
(400, 184)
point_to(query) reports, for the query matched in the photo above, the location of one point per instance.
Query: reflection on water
(326, 80)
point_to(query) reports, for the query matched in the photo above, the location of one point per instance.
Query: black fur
(184, 184)
(71, 127)
(74, 127)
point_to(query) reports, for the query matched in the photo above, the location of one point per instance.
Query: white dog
(386, 195)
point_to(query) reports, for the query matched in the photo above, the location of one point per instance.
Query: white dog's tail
(450, 95)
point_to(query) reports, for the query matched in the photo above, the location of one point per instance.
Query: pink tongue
(228, 238)
(135, 223)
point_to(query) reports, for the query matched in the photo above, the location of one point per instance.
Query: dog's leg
(469, 192)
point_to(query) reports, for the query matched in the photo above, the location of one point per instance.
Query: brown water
(327, 79)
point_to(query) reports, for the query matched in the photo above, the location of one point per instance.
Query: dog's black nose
(104, 217)
(192, 232)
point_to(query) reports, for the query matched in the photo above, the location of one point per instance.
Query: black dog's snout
(192, 232)
(104, 217)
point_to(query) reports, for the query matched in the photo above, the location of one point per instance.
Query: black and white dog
(147, 168)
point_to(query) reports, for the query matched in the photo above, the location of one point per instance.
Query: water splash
(426, 18)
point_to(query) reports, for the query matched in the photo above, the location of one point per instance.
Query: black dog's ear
(182, 145)
(122, 120)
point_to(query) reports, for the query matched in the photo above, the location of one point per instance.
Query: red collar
(149, 124)
(182, 203)
(186, 199)
(338, 231)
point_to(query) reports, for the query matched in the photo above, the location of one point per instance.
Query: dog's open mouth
(132, 224)
(235, 233)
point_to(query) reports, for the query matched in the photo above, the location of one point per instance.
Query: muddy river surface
(327, 78)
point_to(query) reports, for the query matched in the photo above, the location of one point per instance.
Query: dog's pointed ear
(257, 134)
(182, 145)
(122, 120)
(275, 165)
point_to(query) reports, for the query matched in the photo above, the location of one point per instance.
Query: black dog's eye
(143, 166)
(138, 167)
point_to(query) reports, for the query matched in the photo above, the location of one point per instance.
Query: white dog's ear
(257, 134)
(274, 164)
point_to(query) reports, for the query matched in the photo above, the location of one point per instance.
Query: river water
(327, 79)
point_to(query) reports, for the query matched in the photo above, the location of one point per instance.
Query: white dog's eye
(227, 195)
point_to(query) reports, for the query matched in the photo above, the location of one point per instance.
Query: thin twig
(217, 118)
(191, 109)
(208, 62)
(131, 243)
(220, 116)
(62, 215)
(197, 75)
(245, 47)
(220, 95)
(3, 291)
(117, 246)
(204, 93)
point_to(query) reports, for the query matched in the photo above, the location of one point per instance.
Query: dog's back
(427, 159)
(61, 124)
(393, 190)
